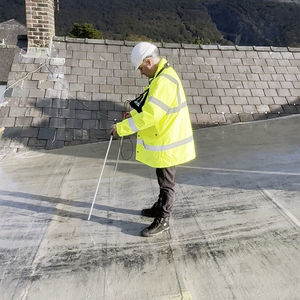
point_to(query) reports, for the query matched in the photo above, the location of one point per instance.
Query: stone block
(287, 85)
(4, 111)
(240, 100)
(203, 118)
(209, 84)
(99, 80)
(253, 100)
(276, 109)
(98, 134)
(37, 93)
(236, 84)
(290, 109)
(249, 109)
(218, 118)
(290, 77)
(60, 103)
(44, 102)
(263, 108)
(91, 88)
(258, 92)
(78, 71)
(73, 123)
(83, 114)
(33, 112)
(19, 92)
(283, 93)
(64, 134)
(50, 112)
(23, 121)
(272, 62)
(274, 85)
(267, 100)
(17, 111)
(90, 124)
(231, 69)
(84, 63)
(12, 132)
(67, 113)
(280, 100)
(231, 92)
(52, 93)
(112, 115)
(236, 108)
(245, 117)
(232, 118)
(77, 87)
(244, 69)
(295, 92)
(256, 69)
(46, 133)
(253, 77)
(222, 109)
(213, 100)
(208, 109)
(92, 72)
(57, 123)
(45, 84)
(40, 121)
(29, 132)
(227, 100)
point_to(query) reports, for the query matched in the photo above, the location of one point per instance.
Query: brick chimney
(40, 24)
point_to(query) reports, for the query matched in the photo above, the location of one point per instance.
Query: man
(161, 119)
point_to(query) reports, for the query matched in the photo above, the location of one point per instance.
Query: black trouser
(166, 181)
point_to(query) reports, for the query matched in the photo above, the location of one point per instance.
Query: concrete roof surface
(234, 232)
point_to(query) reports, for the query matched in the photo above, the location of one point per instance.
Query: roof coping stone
(261, 48)
(244, 48)
(59, 38)
(129, 43)
(171, 45)
(279, 49)
(74, 40)
(114, 42)
(224, 47)
(293, 49)
(94, 41)
(190, 46)
(209, 47)
(158, 44)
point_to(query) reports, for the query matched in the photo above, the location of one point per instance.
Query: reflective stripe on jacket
(164, 131)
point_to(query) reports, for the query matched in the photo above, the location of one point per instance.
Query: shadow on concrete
(127, 227)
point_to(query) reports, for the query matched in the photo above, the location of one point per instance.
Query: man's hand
(113, 130)
(127, 115)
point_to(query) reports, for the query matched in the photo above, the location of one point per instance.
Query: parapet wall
(73, 96)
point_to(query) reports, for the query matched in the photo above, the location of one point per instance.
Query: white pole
(111, 137)
(118, 158)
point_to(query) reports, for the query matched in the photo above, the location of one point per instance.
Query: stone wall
(74, 95)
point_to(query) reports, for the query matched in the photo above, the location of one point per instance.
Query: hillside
(243, 22)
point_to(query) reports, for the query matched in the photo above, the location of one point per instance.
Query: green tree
(85, 30)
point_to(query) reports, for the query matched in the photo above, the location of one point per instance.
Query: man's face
(146, 68)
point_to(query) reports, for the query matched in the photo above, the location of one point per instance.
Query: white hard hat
(141, 51)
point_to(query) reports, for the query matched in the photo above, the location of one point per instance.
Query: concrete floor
(235, 230)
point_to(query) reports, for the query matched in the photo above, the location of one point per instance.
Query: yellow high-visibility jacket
(164, 131)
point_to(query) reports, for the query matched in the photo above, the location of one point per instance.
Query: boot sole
(150, 235)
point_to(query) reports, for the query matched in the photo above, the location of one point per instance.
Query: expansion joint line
(286, 213)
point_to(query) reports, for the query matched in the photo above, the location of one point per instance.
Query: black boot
(152, 212)
(158, 226)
